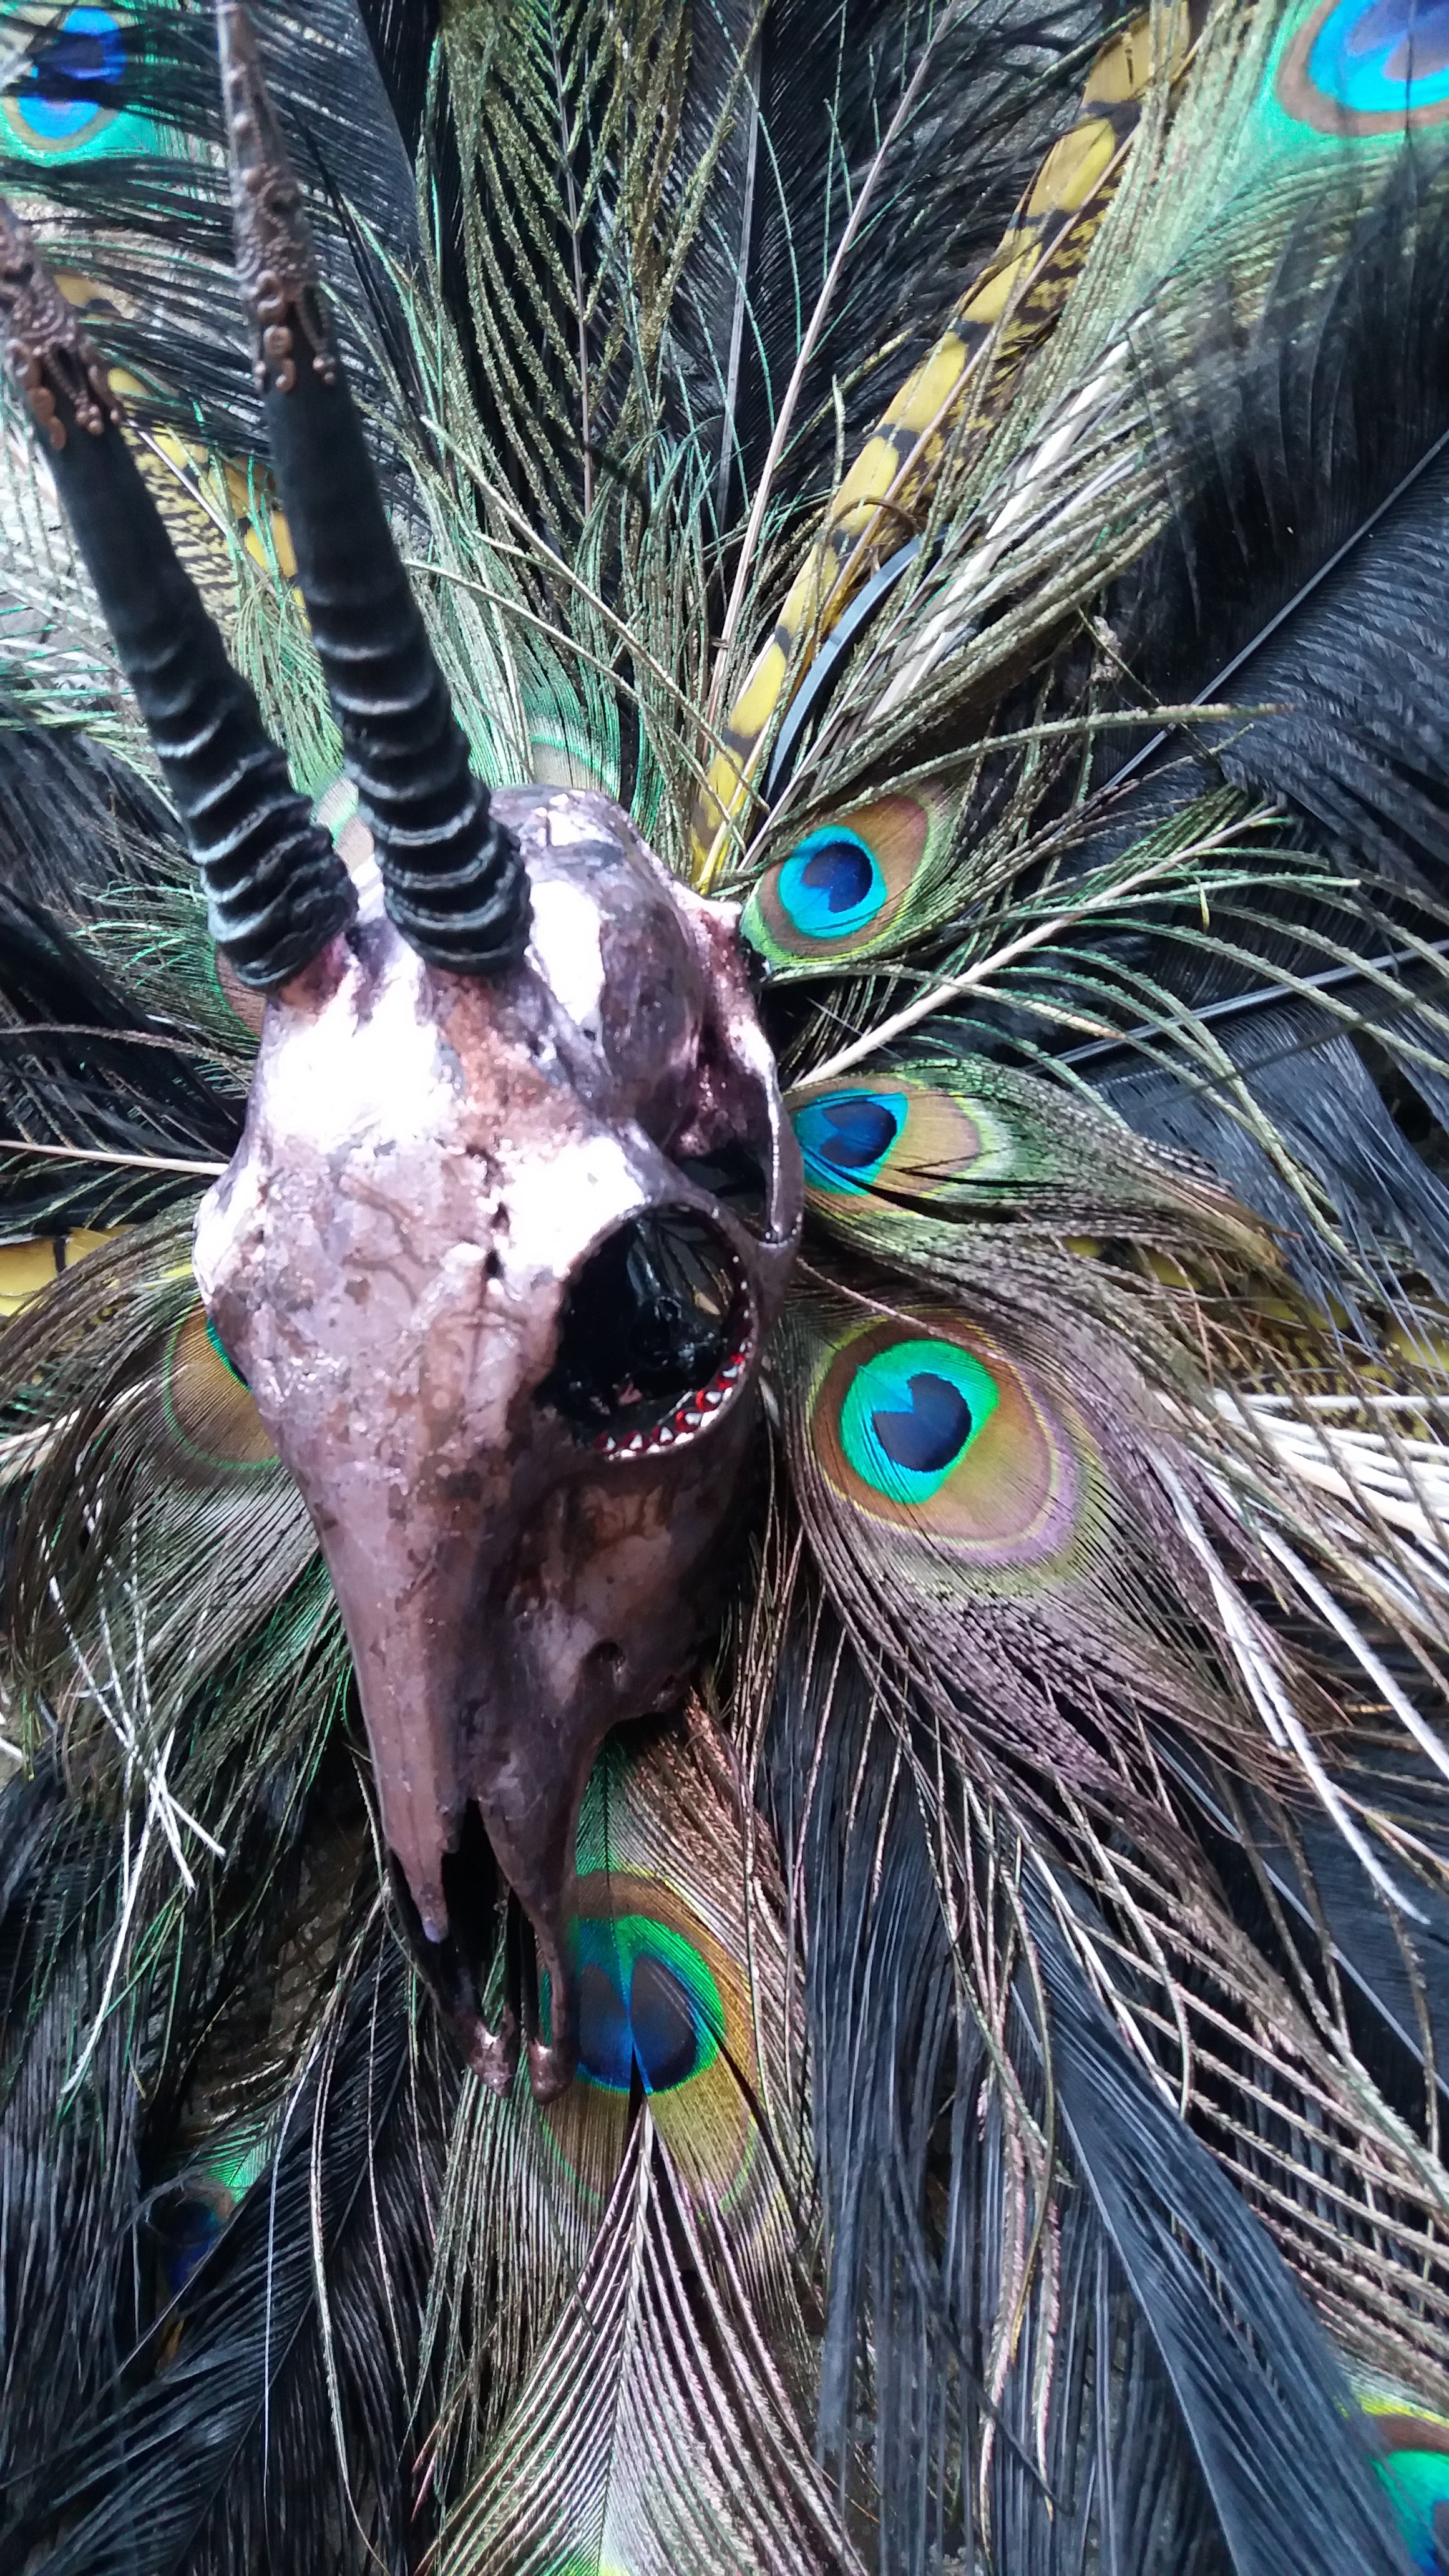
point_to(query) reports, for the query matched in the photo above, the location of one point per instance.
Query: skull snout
(593, 1618)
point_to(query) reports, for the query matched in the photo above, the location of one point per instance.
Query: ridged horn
(453, 879)
(276, 891)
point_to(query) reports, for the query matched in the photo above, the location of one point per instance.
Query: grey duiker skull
(497, 1258)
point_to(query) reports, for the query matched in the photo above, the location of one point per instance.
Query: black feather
(1319, 1096)
(1264, 2404)
(69, 2162)
(228, 2455)
(83, 1069)
(1193, 2414)
(823, 86)
(1307, 563)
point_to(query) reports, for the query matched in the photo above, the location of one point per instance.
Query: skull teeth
(701, 1408)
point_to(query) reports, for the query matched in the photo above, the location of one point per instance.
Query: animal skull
(504, 1326)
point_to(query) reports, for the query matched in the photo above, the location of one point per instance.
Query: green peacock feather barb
(724, 1288)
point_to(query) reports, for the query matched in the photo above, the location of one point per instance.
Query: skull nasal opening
(657, 1333)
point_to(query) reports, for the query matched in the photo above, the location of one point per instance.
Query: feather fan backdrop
(971, 478)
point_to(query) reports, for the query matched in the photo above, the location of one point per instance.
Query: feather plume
(978, 489)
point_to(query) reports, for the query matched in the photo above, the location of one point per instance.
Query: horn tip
(49, 358)
(275, 255)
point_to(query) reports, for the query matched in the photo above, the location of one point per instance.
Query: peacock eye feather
(907, 1140)
(936, 1434)
(192, 2213)
(1368, 67)
(1412, 2449)
(851, 886)
(68, 103)
(846, 1136)
(1417, 2483)
(212, 1425)
(664, 2011)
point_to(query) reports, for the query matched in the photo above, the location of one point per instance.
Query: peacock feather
(968, 480)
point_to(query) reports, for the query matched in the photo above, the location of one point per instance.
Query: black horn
(276, 890)
(453, 879)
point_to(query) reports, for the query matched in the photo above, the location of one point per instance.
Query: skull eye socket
(656, 1334)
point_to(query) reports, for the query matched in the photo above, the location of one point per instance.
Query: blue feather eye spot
(845, 1137)
(1364, 67)
(929, 1428)
(911, 1414)
(192, 2223)
(1413, 2461)
(843, 887)
(71, 87)
(646, 1999)
(831, 886)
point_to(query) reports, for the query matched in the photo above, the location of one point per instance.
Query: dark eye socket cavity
(656, 1334)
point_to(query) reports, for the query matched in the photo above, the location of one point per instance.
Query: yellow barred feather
(1003, 315)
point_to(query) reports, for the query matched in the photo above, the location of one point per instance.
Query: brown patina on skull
(497, 1258)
